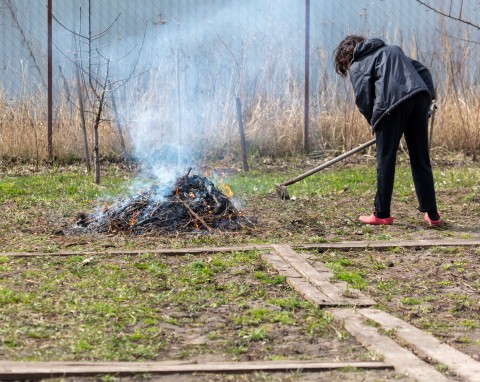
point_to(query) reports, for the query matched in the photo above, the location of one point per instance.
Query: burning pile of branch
(193, 204)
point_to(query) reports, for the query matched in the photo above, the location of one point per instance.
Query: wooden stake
(243, 146)
(120, 132)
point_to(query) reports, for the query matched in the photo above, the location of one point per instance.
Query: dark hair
(343, 53)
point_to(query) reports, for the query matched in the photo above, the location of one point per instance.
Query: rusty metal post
(307, 76)
(50, 84)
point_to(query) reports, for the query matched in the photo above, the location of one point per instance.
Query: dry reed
(272, 110)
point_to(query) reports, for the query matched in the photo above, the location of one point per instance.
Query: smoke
(191, 59)
(161, 153)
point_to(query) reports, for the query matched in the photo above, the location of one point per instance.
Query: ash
(193, 204)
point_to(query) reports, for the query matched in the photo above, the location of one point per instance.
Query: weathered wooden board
(456, 361)
(309, 292)
(283, 268)
(346, 245)
(321, 280)
(134, 252)
(38, 370)
(402, 359)
(298, 282)
(382, 244)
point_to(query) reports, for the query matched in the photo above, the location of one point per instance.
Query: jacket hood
(367, 46)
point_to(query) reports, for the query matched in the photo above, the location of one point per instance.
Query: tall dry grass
(272, 101)
(23, 129)
(459, 114)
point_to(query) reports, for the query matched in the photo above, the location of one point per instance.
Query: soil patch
(436, 290)
(201, 308)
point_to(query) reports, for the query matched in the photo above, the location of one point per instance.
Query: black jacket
(383, 77)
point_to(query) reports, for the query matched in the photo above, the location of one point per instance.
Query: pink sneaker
(433, 223)
(372, 219)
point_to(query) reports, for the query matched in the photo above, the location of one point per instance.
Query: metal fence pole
(50, 84)
(307, 76)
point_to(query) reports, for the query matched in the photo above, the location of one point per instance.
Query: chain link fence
(178, 65)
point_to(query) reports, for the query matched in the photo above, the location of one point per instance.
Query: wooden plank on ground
(384, 244)
(456, 361)
(38, 370)
(297, 282)
(283, 268)
(134, 252)
(402, 359)
(320, 246)
(321, 280)
(310, 292)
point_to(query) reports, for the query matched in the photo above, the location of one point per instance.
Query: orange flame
(132, 220)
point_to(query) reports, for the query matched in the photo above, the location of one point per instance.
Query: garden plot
(436, 289)
(90, 305)
(374, 329)
(153, 307)
(323, 208)
(201, 309)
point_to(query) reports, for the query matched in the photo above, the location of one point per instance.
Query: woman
(394, 93)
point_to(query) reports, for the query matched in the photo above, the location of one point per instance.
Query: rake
(282, 187)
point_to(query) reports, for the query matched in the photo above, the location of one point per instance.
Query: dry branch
(190, 200)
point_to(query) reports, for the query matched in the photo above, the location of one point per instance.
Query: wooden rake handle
(328, 164)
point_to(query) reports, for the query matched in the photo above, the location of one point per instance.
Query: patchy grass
(435, 289)
(154, 307)
(228, 306)
(39, 210)
(344, 270)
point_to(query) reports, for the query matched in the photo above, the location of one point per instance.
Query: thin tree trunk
(98, 118)
(96, 149)
(82, 117)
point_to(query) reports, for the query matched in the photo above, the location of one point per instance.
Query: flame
(177, 191)
(196, 225)
(132, 220)
(226, 189)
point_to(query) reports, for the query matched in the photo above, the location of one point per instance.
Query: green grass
(53, 190)
(322, 183)
(344, 270)
(148, 306)
(126, 308)
(78, 186)
(357, 180)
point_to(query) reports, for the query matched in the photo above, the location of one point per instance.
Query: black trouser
(410, 119)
